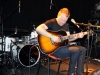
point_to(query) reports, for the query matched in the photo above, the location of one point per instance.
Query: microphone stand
(88, 26)
(51, 4)
(87, 50)
(88, 33)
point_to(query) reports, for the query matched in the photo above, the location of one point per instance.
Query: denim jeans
(80, 62)
(79, 54)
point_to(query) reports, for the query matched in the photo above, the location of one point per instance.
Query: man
(76, 53)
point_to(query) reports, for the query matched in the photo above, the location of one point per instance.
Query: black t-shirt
(53, 25)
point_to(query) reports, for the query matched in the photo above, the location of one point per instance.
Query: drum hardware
(15, 32)
(12, 59)
(33, 37)
(2, 31)
(14, 56)
(26, 55)
(2, 54)
(14, 49)
(33, 41)
(15, 29)
(26, 39)
(97, 31)
(33, 34)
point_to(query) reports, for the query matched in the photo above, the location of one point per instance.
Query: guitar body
(46, 44)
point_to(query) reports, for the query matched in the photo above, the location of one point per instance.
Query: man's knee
(74, 48)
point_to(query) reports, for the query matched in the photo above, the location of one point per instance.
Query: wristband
(51, 36)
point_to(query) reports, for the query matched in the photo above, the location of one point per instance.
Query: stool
(54, 58)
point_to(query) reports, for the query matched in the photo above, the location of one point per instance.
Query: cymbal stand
(1, 23)
(52, 5)
(2, 33)
(14, 43)
(3, 42)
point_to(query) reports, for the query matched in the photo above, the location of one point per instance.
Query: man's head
(63, 16)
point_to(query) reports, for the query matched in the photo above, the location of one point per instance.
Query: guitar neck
(74, 35)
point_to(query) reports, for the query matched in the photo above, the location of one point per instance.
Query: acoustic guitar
(48, 46)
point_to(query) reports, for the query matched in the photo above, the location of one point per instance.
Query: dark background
(34, 12)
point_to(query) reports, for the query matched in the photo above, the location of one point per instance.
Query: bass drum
(29, 55)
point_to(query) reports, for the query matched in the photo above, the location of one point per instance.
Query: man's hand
(55, 39)
(80, 35)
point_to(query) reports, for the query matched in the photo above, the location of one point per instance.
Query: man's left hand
(81, 35)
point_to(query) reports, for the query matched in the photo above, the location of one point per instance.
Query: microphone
(50, 4)
(73, 21)
(19, 6)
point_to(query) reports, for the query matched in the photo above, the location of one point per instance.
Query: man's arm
(71, 38)
(74, 36)
(41, 29)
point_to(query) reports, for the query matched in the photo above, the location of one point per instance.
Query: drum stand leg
(17, 63)
(15, 70)
(13, 67)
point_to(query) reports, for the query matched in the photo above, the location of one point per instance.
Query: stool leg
(59, 66)
(38, 68)
(48, 66)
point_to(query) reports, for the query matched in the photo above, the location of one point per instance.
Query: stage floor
(32, 70)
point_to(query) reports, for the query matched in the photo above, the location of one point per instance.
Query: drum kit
(23, 50)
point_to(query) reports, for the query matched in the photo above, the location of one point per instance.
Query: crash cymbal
(15, 29)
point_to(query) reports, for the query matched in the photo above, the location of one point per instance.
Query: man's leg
(75, 52)
(80, 62)
(72, 52)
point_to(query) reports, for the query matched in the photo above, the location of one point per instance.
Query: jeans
(75, 55)
(80, 61)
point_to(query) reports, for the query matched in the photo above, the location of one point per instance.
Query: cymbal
(15, 29)
(89, 24)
